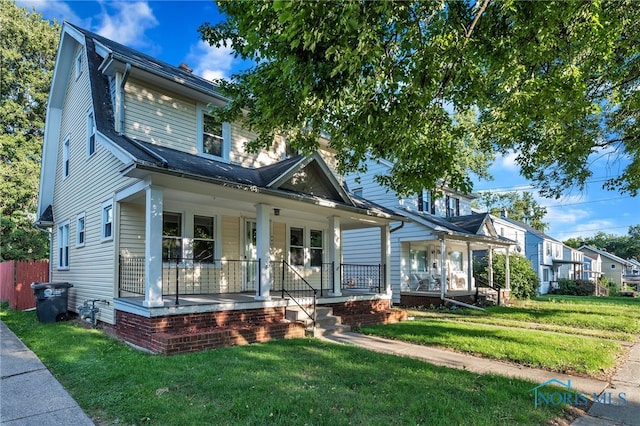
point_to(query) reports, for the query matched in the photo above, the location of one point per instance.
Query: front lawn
(558, 333)
(302, 381)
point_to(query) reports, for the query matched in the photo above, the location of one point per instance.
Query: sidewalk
(29, 394)
(627, 379)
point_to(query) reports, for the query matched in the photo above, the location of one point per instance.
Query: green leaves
(553, 81)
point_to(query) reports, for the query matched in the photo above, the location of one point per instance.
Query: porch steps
(326, 322)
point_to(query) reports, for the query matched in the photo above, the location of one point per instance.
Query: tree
(27, 57)
(523, 279)
(519, 206)
(554, 81)
(624, 246)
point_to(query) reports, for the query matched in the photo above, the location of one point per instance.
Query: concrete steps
(326, 322)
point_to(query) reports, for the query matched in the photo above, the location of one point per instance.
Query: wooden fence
(15, 282)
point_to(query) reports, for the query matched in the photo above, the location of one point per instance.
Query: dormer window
(213, 137)
(453, 206)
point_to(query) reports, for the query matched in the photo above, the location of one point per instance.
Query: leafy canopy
(554, 81)
(27, 56)
(624, 246)
(520, 206)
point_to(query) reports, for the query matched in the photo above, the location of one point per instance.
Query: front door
(250, 256)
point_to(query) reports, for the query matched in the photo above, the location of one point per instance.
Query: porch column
(263, 249)
(470, 267)
(335, 248)
(507, 272)
(385, 256)
(153, 247)
(490, 277)
(443, 272)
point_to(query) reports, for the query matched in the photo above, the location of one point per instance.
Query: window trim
(212, 240)
(226, 137)
(306, 246)
(63, 236)
(81, 218)
(91, 133)
(107, 205)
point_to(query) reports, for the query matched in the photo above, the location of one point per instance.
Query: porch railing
(223, 276)
(482, 283)
(294, 286)
(365, 277)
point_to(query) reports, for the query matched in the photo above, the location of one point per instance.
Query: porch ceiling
(238, 199)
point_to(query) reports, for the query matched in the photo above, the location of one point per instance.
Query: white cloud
(126, 22)
(52, 9)
(210, 62)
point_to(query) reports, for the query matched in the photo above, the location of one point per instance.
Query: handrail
(481, 282)
(285, 265)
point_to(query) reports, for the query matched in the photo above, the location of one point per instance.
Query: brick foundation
(367, 312)
(199, 331)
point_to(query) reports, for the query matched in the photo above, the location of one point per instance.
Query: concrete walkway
(29, 394)
(626, 380)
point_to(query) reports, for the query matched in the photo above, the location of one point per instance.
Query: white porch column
(490, 266)
(335, 250)
(507, 272)
(153, 247)
(385, 256)
(263, 249)
(470, 267)
(443, 271)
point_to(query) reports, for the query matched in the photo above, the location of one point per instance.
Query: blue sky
(167, 29)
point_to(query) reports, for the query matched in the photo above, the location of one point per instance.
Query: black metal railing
(481, 282)
(294, 286)
(367, 277)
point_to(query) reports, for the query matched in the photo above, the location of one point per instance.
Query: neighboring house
(550, 259)
(159, 210)
(510, 230)
(436, 246)
(592, 267)
(613, 267)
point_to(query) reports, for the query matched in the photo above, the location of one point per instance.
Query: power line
(527, 186)
(585, 202)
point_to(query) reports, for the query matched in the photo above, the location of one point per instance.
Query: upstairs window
(91, 134)
(78, 64)
(425, 203)
(65, 157)
(453, 206)
(203, 239)
(212, 140)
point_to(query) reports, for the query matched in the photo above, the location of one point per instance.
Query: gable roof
(604, 253)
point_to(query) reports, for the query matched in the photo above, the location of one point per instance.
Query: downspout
(391, 231)
(125, 77)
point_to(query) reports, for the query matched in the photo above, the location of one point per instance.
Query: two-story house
(613, 267)
(159, 210)
(435, 247)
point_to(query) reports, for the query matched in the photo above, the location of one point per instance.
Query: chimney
(503, 213)
(185, 67)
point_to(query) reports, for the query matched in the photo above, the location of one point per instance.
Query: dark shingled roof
(471, 223)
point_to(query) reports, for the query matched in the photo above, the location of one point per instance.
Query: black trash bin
(51, 301)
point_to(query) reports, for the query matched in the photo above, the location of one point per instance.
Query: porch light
(276, 212)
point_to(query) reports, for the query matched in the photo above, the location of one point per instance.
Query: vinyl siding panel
(160, 117)
(231, 238)
(132, 229)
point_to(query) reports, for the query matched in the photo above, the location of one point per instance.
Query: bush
(575, 287)
(524, 280)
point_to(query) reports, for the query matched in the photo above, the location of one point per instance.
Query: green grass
(301, 381)
(558, 333)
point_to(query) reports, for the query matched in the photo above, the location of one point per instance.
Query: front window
(171, 237)
(315, 248)
(203, 239)
(63, 246)
(296, 246)
(107, 221)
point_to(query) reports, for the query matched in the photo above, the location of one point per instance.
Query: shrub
(575, 287)
(524, 280)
